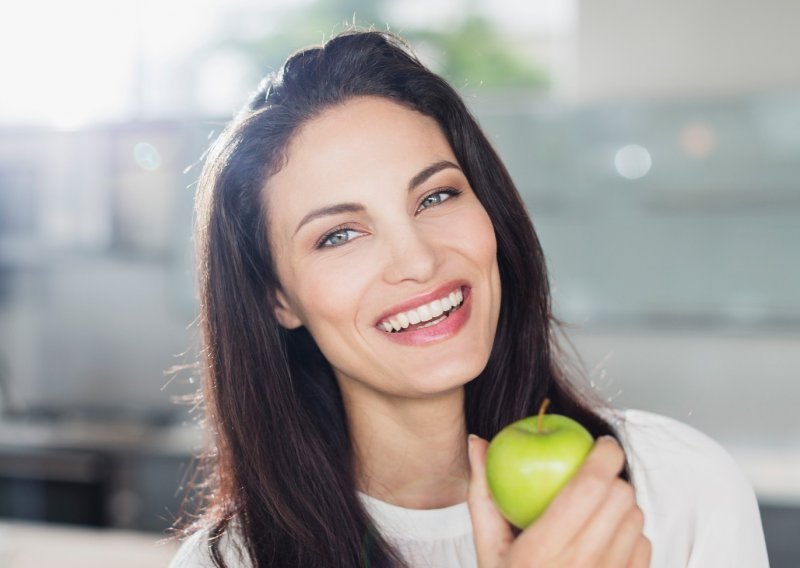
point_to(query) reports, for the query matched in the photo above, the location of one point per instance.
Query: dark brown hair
(281, 469)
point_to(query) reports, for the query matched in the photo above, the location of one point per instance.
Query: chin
(452, 376)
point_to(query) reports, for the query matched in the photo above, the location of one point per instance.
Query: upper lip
(435, 294)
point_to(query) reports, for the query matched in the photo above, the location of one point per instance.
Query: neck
(410, 452)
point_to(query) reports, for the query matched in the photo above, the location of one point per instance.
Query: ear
(285, 314)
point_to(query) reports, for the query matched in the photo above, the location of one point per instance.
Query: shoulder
(667, 455)
(195, 551)
(658, 444)
(696, 499)
(657, 441)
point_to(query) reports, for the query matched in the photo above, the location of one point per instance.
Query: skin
(404, 403)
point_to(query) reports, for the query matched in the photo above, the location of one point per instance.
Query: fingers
(582, 496)
(491, 532)
(593, 521)
(614, 533)
(613, 529)
(627, 536)
(641, 554)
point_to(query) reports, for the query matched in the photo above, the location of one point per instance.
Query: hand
(592, 522)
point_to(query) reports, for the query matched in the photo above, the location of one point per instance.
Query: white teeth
(433, 322)
(403, 320)
(424, 313)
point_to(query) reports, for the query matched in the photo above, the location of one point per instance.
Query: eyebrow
(415, 182)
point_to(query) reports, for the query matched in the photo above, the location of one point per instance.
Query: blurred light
(66, 64)
(63, 68)
(68, 119)
(698, 139)
(633, 161)
(220, 81)
(146, 156)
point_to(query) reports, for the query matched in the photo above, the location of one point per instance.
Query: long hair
(281, 473)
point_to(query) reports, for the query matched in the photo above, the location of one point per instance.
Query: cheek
(331, 297)
(330, 291)
(480, 243)
(476, 235)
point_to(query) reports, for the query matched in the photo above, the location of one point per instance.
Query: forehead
(364, 125)
(361, 147)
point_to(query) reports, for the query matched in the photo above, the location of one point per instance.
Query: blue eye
(337, 237)
(437, 197)
(343, 234)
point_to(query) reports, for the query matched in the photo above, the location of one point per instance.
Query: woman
(372, 291)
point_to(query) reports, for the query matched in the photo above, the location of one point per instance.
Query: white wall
(677, 48)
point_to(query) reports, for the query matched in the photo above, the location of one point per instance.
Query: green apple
(529, 461)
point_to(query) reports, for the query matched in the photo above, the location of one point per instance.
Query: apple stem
(542, 410)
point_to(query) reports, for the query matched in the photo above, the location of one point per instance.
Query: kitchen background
(657, 146)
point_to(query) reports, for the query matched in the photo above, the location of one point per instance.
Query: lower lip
(445, 329)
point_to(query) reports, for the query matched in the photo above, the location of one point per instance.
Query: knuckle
(622, 492)
(593, 484)
(608, 440)
(606, 455)
(635, 519)
(611, 447)
(645, 547)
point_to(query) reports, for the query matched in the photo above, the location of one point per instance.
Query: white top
(699, 508)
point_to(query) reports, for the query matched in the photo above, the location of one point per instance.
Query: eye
(437, 197)
(337, 237)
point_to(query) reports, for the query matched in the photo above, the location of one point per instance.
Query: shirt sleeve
(702, 508)
(194, 552)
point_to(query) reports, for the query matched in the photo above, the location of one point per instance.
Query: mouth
(425, 315)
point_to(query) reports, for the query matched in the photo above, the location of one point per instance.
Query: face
(374, 227)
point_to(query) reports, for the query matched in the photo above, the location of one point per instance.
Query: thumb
(491, 532)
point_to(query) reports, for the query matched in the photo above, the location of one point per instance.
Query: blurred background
(657, 146)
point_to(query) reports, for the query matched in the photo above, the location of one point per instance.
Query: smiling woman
(408, 232)
(372, 290)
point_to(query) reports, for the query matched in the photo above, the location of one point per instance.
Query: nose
(410, 255)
